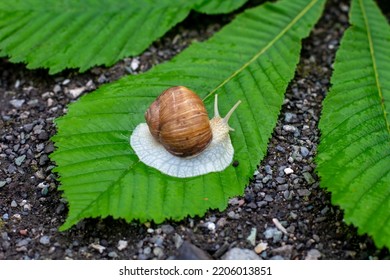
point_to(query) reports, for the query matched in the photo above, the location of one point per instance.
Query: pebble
(14, 204)
(23, 242)
(3, 183)
(17, 103)
(289, 128)
(289, 116)
(268, 169)
(313, 254)
(134, 64)
(177, 240)
(288, 171)
(158, 252)
(285, 251)
(19, 160)
(262, 246)
(283, 187)
(98, 247)
(167, 229)
(210, 226)
(274, 233)
(240, 254)
(43, 159)
(113, 254)
(279, 226)
(304, 151)
(280, 180)
(309, 179)
(57, 88)
(189, 251)
(122, 244)
(76, 92)
(252, 236)
(45, 240)
(233, 215)
(303, 192)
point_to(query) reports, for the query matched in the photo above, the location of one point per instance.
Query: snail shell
(179, 121)
(179, 140)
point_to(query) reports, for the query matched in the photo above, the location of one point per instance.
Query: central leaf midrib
(263, 50)
(374, 65)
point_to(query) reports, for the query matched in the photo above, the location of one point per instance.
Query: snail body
(179, 140)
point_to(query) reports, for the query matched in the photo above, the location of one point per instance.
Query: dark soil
(31, 207)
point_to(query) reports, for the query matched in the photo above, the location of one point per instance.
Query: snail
(178, 138)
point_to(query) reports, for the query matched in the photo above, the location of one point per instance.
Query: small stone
(178, 240)
(280, 180)
(252, 236)
(23, 232)
(158, 252)
(33, 102)
(210, 226)
(285, 251)
(57, 89)
(280, 149)
(2, 183)
(23, 242)
(189, 251)
(289, 128)
(266, 179)
(283, 187)
(49, 148)
(233, 215)
(76, 92)
(268, 198)
(268, 169)
(313, 254)
(289, 116)
(303, 192)
(113, 254)
(134, 64)
(273, 233)
(279, 226)
(293, 215)
(65, 82)
(43, 135)
(19, 160)
(43, 159)
(14, 204)
(288, 171)
(240, 254)
(304, 151)
(45, 240)
(17, 103)
(98, 247)
(122, 244)
(262, 246)
(167, 229)
(4, 235)
(309, 179)
(28, 127)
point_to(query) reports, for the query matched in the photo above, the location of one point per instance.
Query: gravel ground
(283, 214)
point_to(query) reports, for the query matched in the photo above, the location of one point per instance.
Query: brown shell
(179, 121)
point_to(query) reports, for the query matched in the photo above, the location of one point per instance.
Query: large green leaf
(354, 153)
(252, 60)
(81, 34)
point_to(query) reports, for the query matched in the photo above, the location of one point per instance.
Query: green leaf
(81, 34)
(354, 152)
(252, 60)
